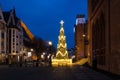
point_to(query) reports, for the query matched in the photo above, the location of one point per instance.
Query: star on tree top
(61, 22)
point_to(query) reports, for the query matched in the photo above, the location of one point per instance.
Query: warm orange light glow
(61, 62)
(83, 35)
(62, 53)
(34, 57)
(30, 35)
(81, 61)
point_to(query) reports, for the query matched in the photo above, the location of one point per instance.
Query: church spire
(1, 15)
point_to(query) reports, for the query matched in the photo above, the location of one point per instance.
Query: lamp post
(50, 45)
(30, 53)
(84, 36)
(31, 49)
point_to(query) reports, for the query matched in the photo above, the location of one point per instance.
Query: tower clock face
(80, 21)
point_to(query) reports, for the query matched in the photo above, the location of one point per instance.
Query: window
(2, 45)
(13, 39)
(0, 17)
(9, 33)
(13, 35)
(13, 31)
(2, 35)
(16, 36)
(16, 51)
(13, 51)
(16, 43)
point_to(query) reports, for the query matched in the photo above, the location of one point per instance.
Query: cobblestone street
(50, 73)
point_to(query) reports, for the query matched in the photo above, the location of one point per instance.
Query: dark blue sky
(42, 17)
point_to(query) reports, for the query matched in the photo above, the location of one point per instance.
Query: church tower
(80, 36)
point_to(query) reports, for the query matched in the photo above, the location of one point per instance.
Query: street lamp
(84, 35)
(31, 49)
(42, 56)
(50, 51)
(50, 43)
(44, 53)
(50, 46)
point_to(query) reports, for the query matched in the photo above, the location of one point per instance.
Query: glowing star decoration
(61, 22)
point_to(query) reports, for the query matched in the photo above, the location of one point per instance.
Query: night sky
(42, 17)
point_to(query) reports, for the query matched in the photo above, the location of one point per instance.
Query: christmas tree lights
(62, 53)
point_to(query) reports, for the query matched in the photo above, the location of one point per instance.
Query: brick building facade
(80, 37)
(104, 34)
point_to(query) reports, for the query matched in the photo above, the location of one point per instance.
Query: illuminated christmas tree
(62, 52)
(61, 58)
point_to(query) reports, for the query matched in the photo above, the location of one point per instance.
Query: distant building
(14, 34)
(15, 37)
(104, 34)
(80, 37)
(3, 38)
(28, 40)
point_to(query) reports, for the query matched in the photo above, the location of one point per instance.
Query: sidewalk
(111, 75)
(85, 73)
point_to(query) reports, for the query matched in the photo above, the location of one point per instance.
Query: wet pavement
(51, 73)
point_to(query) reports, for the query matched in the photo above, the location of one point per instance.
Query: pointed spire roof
(1, 15)
(6, 16)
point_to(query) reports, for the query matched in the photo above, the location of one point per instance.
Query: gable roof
(1, 16)
(9, 14)
(6, 16)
